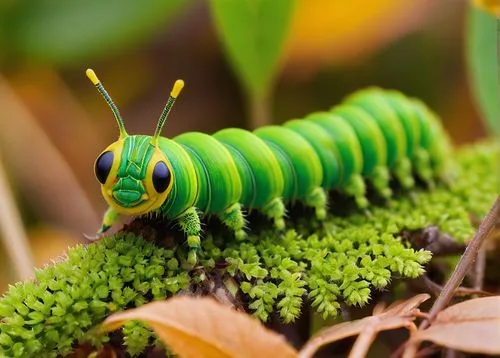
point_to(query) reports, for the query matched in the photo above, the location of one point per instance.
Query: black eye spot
(161, 177)
(103, 166)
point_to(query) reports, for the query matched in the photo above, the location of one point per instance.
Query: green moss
(343, 260)
(48, 316)
(136, 337)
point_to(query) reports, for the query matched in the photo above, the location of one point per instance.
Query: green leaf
(253, 34)
(66, 32)
(482, 52)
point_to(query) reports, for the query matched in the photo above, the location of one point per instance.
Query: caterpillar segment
(347, 149)
(374, 135)
(375, 105)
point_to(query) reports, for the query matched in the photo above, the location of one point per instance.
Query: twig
(463, 266)
(363, 343)
(12, 231)
(436, 289)
(465, 263)
(479, 267)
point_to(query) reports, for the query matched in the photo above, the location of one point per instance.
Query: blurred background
(243, 67)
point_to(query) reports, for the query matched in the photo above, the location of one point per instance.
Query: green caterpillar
(373, 135)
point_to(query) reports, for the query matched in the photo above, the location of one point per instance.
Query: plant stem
(12, 231)
(463, 266)
(466, 261)
(260, 110)
(363, 343)
(479, 267)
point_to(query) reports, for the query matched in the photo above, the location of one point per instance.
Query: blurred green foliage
(482, 53)
(69, 32)
(253, 35)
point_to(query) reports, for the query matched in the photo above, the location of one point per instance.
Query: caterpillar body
(374, 135)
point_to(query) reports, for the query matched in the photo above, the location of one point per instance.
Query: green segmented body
(257, 167)
(374, 135)
(373, 129)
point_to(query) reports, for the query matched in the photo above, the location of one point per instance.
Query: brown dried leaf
(201, 327)
(470, 326)
(398, 315)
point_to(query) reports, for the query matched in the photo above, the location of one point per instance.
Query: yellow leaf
(337, 31)
(492, 6)
(202, 327)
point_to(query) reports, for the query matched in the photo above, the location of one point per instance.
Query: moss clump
(48, 316)
(342, 260)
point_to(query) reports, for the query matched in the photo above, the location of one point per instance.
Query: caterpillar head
(135, 175)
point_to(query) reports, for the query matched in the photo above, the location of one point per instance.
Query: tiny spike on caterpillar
(373, 135)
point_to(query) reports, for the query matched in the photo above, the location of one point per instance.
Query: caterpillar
(374, 136)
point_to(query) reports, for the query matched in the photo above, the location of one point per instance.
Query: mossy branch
(343, 260)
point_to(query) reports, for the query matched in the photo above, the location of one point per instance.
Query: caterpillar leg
(318, 200)
(275, 210)
(233, 218)
(381, 182)
(110, 217)
(423, 166)
(191, 225)
(356, 187)
(402, 171)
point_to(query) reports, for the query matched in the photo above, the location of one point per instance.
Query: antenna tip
(178, 85)
(92, 76)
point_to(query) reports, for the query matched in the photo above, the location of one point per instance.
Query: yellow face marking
(150, 200)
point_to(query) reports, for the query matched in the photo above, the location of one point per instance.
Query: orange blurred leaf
(470, 326)
(201, 327)
(396, 316)
(326, 32)
(492, 6)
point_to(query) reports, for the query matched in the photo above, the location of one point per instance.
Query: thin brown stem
(479, 267)
(465, 263)
(436, 289)
(362, 344)
(12, 231)
(463, 266)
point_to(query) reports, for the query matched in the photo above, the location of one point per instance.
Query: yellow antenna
(178, 85)
(95, 80)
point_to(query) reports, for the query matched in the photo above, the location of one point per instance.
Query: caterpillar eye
(161, 177)
(103, 166)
